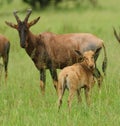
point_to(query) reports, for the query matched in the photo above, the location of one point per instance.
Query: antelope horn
(116, 35)
(17, 18)
(29, 11)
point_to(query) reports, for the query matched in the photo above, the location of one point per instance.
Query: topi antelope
(52, 51)
(77, 76)
(4, 52)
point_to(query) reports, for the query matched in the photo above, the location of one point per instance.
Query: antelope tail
(116, 35)
(64, 84)
(104, 64)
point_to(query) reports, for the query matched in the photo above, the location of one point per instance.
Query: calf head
(88, 58)
(23, 26)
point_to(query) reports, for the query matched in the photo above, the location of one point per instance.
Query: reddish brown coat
(4, 52)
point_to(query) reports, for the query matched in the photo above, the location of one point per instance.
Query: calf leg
(70, 97)
(61, 91)
(79, 96)
(42, 80)
(87, 95)
(53, 73)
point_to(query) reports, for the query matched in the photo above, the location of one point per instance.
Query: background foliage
(21, 102)
(44, 3)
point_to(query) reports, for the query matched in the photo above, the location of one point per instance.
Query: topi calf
(77, 76)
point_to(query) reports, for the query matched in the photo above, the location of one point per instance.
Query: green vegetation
(21, 102)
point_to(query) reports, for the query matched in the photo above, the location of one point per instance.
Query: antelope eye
(25, 29)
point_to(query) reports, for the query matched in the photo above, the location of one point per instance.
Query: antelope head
(23, 26)
(88, 58)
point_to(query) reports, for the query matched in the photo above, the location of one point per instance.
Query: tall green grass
(21, 102)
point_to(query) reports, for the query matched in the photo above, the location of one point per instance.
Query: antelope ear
(33, 22)
(11, 25)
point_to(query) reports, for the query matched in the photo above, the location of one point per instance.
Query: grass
(21, 102)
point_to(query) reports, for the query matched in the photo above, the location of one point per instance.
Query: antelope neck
(31, 42)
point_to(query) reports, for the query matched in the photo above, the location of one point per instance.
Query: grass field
(21, 102)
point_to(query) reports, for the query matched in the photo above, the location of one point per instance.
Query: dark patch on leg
(42, 79)
(87, 95)
(53, 73)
